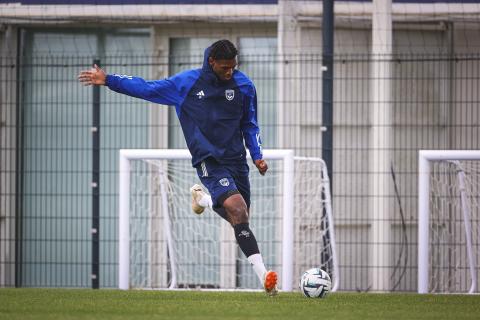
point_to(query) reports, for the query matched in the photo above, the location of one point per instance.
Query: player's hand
(93, 76)
(261, 166)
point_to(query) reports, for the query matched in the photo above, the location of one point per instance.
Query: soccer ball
(315, 283)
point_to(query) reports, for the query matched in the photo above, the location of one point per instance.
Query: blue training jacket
(216, 116)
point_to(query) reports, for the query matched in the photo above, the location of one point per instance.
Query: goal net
(449, 213)
(163, 244)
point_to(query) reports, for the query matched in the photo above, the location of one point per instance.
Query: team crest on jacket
(229, 94)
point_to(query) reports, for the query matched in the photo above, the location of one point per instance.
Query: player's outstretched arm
(93, 76)
(261, 166)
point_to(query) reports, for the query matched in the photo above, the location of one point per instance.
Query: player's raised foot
(199, 199)
(270, 283)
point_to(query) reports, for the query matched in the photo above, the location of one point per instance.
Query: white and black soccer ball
(315, 283)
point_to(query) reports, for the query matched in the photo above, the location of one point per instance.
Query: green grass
(114, 304)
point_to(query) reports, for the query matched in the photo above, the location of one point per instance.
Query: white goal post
(165, 232)
(448, 220)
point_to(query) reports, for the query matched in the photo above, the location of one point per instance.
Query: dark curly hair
(223, 50)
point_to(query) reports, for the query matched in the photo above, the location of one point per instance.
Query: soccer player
(217, 109)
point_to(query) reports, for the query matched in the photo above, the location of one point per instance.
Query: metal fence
(48, 193)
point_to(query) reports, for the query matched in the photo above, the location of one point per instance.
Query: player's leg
(232, 203)
(237, 213)
(267, 278)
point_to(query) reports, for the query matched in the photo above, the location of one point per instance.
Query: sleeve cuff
(108, 80)
(256, 157)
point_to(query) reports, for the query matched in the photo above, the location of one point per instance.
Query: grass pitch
(114, 304)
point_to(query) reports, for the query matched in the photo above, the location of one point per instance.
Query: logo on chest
(200, 94)
(229, 94)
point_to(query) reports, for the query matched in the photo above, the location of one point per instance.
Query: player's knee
(236, 209)
(238, 215)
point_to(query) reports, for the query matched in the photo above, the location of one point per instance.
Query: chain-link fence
(381, 120)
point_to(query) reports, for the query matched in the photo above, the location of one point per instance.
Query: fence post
(95, 183)
(327, 102)
(327, 85)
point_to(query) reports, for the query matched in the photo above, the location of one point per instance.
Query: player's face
(223, 68)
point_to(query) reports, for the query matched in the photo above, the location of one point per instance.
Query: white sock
(206, 201)
(257, 263)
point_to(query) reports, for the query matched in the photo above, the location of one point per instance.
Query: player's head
(223, 59)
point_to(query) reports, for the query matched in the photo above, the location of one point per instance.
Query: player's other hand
(261, 166)
(93, 76)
